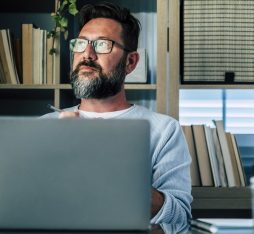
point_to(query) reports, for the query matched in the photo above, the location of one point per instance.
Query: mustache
(88, 63)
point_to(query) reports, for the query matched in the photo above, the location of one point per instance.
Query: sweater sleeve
(171, 175)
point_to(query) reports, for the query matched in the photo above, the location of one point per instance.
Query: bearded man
(104, 52)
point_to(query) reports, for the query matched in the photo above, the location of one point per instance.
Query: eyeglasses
(100, 46)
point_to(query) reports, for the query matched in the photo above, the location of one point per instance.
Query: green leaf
(60, 20)
(73, 9)
(64, 3)
(52, 33)
(72, 1)
(52, 51)
(58, 24)
(48, 34)
(57, 18)
(63, 22)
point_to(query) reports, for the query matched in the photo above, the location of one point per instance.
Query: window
(200, 106)
(235, 107)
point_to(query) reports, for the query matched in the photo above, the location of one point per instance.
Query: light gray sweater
(170, 163)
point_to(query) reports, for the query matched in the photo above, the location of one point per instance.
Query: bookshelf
(31, 100)
(26, 100)
(208, 201)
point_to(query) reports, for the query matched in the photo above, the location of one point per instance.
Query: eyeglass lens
(99, 46)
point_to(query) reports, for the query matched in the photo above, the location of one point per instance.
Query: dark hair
(130, 25)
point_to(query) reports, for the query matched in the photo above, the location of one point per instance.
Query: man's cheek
(75, 62)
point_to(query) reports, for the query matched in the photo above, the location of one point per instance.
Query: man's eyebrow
(106, 38)
(81, 37)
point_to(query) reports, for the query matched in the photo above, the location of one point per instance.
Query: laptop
(74, 174)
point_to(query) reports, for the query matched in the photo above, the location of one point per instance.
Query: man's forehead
(103, 23)
(102, 27)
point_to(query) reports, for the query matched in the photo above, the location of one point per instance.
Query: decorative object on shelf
(63, 8)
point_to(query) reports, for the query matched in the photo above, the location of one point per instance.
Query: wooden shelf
(32, 86)
(226, 202)
(68, 86)
(221, 198)
(140, 86)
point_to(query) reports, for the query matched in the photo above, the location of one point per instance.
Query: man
(103, 54)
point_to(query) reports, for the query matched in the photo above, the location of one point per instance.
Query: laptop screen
(75, 174)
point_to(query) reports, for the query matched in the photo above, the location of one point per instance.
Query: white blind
(239, 106)
(200, 106)
(235, 107)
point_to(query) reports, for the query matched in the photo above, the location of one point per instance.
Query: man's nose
(89, 53)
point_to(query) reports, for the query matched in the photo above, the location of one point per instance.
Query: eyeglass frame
(93, 41)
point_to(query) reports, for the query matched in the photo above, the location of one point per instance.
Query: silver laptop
(74, 174)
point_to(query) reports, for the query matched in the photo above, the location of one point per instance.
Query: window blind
(239, 115)
(234, 107)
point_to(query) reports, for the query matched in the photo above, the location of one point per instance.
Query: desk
(155, 229)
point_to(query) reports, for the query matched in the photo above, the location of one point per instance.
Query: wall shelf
(68, 86)
(151, 94)
(221, 202)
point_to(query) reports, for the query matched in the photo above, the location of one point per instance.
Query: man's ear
(131, 61)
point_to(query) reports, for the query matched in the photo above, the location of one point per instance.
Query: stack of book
(215, 156)
(27, 60)
(8, 68)
(38, 65)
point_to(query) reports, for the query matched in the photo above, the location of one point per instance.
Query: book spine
(27, 53)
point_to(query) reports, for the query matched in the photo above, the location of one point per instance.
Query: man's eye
(102, 44)
(79, 45)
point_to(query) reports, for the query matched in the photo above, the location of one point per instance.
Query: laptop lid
(74, 174)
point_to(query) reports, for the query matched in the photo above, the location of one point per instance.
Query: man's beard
(89, 86)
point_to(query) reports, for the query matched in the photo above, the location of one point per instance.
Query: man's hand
(68, 114)
(157, 201)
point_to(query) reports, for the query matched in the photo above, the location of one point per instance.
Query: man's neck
(115, 103)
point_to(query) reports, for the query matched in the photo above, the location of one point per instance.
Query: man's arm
(171, 174)
(157, 201)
